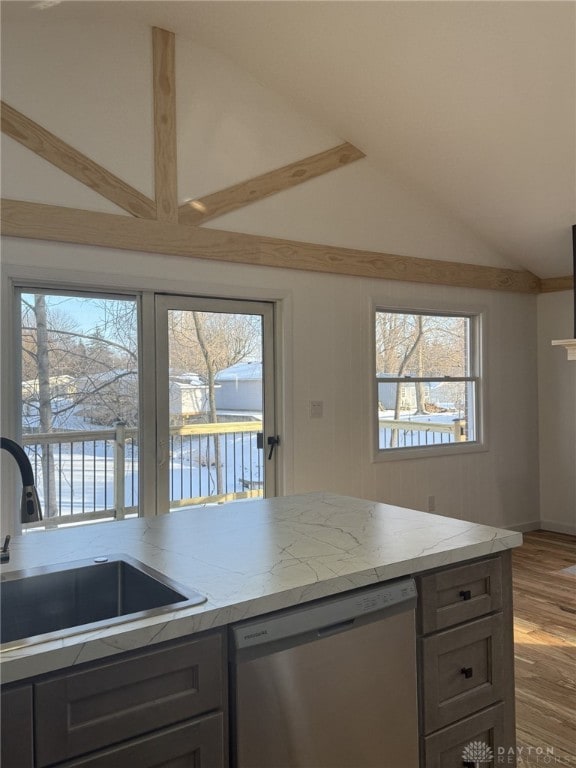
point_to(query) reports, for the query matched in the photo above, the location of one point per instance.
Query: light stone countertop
(248, 558)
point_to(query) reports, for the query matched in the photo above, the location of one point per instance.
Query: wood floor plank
(545, 649)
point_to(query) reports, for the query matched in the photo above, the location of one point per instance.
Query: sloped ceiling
(471, 103)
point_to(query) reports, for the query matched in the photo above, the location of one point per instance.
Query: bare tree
(44, 397)
(69, 371)
(408, 351)
(231, 338)
(102, 362)
(421, 346)
(206, 343)
(209, 361)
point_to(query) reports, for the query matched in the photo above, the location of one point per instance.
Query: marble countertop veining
(248, 558)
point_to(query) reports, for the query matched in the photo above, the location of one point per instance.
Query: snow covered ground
(84, 472)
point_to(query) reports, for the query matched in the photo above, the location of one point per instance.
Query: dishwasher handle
(335, 629)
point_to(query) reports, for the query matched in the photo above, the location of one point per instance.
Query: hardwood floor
(545, 649)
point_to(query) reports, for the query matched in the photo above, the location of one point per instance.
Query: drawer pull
(467, 672)
(465, 594)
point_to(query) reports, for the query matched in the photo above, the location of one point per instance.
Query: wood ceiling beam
(237, 196)
(48, 146)
(550, 284)
(164, 99)
(69, 225)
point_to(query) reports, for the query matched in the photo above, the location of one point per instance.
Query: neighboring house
(240, 387)
(60, 386)
(447, 394)
(66, 417)
(106, 397)
(188, 396)
(387, 395)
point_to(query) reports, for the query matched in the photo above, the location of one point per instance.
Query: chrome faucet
(30, 510)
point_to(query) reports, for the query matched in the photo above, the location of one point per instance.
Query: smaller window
(427, 380)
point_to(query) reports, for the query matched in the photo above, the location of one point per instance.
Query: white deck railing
(93, 475)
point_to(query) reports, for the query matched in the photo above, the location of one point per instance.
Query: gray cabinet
(17, 741)
(466, 675)
(159, 707)
(195, 744)
(450, 747)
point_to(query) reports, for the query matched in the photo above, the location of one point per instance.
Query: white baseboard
(524, 527)
(542, 525)
(551, 525)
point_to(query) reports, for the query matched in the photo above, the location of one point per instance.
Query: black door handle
(467, 672)
(273, 441)
(465, 594)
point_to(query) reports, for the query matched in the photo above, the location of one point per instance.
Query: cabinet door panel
(196, 744)
(16, 728)
(85, 710)
(462, 671)
(476, 736)
(460, 594)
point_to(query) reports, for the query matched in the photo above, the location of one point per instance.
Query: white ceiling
(471, 103)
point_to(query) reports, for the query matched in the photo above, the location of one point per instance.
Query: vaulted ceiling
(473, 104)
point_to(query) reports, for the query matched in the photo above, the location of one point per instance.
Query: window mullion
(415, 379)
(148, 423)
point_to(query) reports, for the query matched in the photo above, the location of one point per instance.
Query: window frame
(144, 293)
(478, 321)
(119, 283)
(19, 286)
(163, 304)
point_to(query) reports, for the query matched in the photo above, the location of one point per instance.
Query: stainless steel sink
(60, 600)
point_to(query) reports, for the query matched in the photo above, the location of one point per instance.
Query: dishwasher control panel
(374, 599)
(328, 612)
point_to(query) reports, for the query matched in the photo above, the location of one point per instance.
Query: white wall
(557, 411)
(326, 356)
(230, 129)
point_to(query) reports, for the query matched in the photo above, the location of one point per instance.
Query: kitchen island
(256, 557)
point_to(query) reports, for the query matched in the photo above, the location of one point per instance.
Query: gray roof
(247, 371)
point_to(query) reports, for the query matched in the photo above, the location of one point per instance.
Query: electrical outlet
(431, 503)
(316, 409)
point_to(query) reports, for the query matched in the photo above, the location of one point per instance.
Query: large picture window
(427, 380)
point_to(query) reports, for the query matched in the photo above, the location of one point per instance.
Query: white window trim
(479, 316)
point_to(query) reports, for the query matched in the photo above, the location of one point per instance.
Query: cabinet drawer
(17, 747)
(86, 710)
(460, 594)
(462, 671)
(198, 744)
(452, 747)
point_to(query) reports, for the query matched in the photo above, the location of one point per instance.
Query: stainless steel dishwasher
(331, 684)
